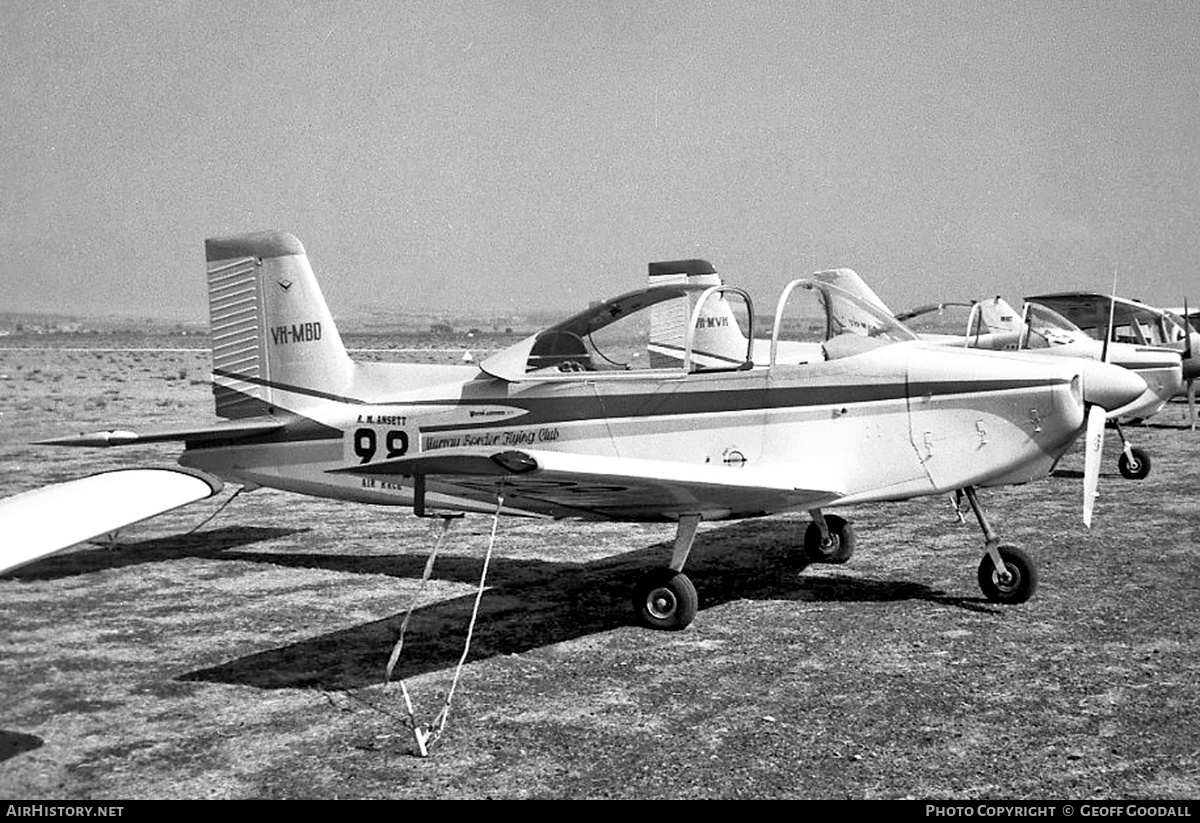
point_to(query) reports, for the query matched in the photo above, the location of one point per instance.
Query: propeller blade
(1094, 445)
(1187, 332)
(1112, 309)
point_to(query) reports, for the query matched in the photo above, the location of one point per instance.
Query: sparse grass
(246, 660)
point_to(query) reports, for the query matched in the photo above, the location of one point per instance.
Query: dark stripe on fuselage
(589, 406)
(544, 411)
(1135, 366)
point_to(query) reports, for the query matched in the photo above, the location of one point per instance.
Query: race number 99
(366, 443)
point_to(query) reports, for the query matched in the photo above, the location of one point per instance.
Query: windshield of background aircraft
(847, 314)
(817, 320)
(1046, 327)
(1133, 323)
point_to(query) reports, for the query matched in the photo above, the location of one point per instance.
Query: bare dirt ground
(246, 659)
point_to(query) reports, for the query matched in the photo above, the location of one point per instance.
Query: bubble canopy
(695, 328)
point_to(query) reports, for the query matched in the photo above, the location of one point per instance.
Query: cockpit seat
(560, 349)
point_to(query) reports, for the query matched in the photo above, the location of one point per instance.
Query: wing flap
(46, 520)
(565, 484)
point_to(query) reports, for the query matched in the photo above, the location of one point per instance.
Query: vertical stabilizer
(272, 334)
(849, 280)
(717, 340)
(998, 316)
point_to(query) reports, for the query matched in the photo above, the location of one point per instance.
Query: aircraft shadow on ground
(15, 743)
(96, 558)
(531, 603)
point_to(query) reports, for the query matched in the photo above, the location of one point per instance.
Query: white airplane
(587, 419)
(1134, 323)
(997, 326)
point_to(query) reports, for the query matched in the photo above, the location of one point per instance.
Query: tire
(1022, 584)
(665, 599)
(1135, 469)
(841, 545)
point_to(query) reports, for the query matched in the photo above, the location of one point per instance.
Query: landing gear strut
(1134, 463)
(666, 598)
(1006, 573)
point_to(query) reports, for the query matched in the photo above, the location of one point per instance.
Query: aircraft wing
(564, 484)
(46, 520)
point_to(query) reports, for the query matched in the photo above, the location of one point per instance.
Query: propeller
(1187, 354)
(1187, 332)
(1105, 388)
(1094, 449)
(1097, 413)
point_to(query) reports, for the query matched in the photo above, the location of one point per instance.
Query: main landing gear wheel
(1135, 465)
(665, 599)
(1015, 584)
(837, 549)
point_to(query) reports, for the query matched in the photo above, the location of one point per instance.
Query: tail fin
(849, 280)
(998, 316)
(717, 340)
(271, 329)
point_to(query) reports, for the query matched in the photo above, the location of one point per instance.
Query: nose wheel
(1134, 464)
(1006, 573)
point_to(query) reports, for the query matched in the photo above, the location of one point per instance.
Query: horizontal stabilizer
(226, 430)
(46, 520)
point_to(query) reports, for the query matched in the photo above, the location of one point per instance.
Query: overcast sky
(539, 154)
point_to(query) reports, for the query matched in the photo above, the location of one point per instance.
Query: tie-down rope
(429, 735)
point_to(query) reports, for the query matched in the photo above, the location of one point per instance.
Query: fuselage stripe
(686, 401)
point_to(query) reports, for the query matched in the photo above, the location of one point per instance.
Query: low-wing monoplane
(1134, 323)
(604, 416)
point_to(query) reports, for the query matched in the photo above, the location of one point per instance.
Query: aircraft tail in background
(718, 338)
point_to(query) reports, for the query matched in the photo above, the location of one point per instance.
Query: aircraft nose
(1109, 386)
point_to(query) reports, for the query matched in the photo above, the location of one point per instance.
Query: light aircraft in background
(596, 418)
(1134, 323)
(995, 325)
